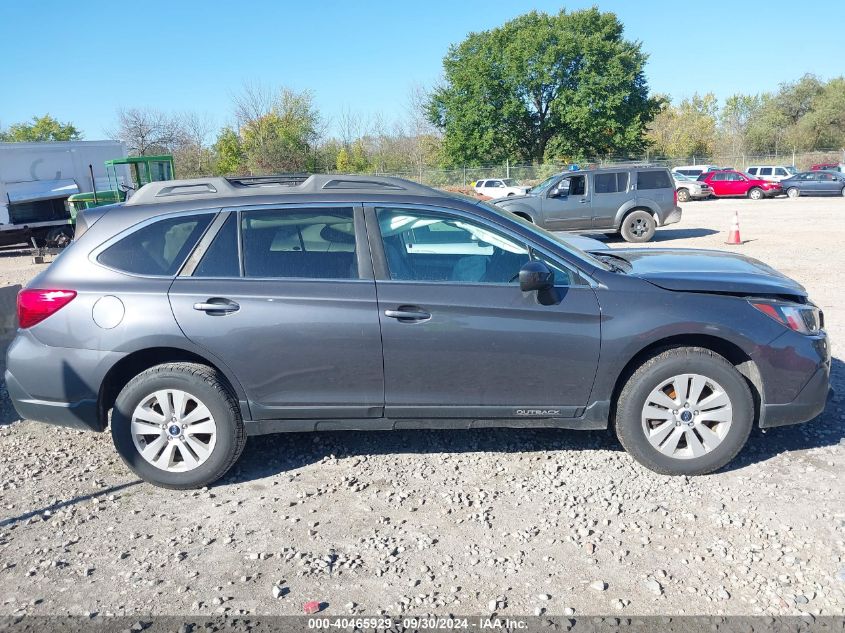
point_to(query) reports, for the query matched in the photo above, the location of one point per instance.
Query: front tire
(683, 195)
(178, 426)
(755, 193)
(638, 226)
(793, 192)
(686, 411)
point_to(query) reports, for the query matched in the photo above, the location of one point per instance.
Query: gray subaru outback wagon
(204, 311)
(630, 200)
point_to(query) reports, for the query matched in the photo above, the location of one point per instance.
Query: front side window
(752, 171)
(765, 171)
(653, 180)
(159, 248)
(780, 171)
(299, 243)
(429, 246)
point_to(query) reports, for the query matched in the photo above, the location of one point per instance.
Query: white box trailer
(36, 180)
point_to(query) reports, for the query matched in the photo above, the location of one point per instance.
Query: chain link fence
(530, 174)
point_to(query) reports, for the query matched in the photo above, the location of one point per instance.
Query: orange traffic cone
(733, 236)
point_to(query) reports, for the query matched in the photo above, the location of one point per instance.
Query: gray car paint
(304, 355)
(592, 211)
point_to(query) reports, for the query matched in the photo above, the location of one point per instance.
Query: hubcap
(173, 430)
(638, 227)
(687, 416)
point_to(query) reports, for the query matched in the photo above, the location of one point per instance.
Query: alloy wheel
(687, 416)
(173, 430)
(639, 227)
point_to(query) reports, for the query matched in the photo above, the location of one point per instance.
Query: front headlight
(803, 318)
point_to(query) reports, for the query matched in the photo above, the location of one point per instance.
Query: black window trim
(94, 255)
(382, 273)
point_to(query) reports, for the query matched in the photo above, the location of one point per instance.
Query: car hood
(694, 270)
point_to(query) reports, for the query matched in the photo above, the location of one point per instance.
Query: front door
(292, 312)
(567, 205)
(460, 339)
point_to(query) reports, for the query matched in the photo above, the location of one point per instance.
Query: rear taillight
(676, 197)
(36, 304)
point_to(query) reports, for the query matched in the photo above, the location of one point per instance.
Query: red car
(737, 183)
(826, 167)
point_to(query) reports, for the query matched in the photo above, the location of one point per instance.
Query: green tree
(543, 85)
(44, 128)
(688, 129)
(281, 135)
(228, 152)
(735, 118)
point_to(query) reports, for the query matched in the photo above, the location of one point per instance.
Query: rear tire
(683, 195)
(755, 193)
(699, 439)
(793, 192)
(152, 420)
(638, 226)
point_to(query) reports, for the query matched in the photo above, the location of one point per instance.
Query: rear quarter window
(654, 180)
(159, 248)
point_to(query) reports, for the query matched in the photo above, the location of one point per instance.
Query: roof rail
(280, 184)
(275, 179)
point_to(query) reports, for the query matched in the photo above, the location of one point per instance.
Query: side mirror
(536, 276)
(557, 192)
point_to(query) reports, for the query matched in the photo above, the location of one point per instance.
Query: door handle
(408, 314)
(584, 200)
(217, 306)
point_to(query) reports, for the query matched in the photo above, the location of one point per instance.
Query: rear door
(460, 338)
(571, 208)
(285, 297)
(828, 184)
(610, 192)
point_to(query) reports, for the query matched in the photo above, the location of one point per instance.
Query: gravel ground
(513, 521)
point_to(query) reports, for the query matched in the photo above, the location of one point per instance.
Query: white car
(694, 171)
(689, 188)
(499, 187)
(774, 173)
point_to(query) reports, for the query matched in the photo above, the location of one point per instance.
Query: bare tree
(146, 130)
(253, 102)
(349, 126)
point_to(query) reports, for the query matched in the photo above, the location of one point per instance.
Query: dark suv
(630, 200)
(203, 311)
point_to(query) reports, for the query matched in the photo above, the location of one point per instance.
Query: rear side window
(653, 180)
(221, 258)
(306, 244)
(159, 248)
(611, 183)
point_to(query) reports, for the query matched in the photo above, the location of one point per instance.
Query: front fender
(517, 207)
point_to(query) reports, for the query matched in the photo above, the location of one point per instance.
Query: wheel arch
(732, 352)
(630, 207)
(134, 363)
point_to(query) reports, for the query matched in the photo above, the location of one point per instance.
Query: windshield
(510, 182)
(574, 250)
(791, 170)
(679, 176)
(544, 185)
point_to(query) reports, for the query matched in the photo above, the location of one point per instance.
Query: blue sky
(80, 61)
